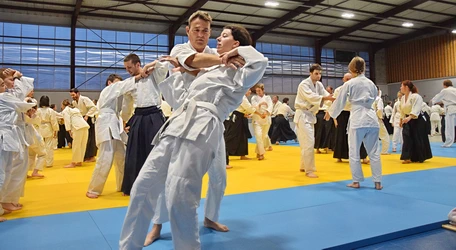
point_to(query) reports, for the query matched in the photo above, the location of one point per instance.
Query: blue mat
(309, 217)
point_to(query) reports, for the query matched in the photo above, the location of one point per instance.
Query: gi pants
(368, 136)
(79, 145)
(306, 138)
(13, 187)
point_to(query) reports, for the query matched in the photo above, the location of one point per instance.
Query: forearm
(202, 60)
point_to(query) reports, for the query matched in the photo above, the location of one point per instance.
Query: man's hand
(335, 123)
(86, 118)
(170, 59)
(327, 116)
(329, 98)
(127, 129)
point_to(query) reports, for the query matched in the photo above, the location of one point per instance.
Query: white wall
(427, 88)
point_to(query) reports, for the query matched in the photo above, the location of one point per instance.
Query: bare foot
(49, 166)
(3, 219)
(269, 148)
(245, 158)
(124, 194)
(378, 186)
(406, 161)
(318, 151)
(261, 157)
(78, 164)
(92, 159)
(91, 196)
(365, 161)
(277, 143)
(36, 174)
(215, 225)
(71, 165)
(6, 212)
(339, 160)
(394, 150)
(29, 176)
(11, 207)
(228, 167)
(312, 175)
(153, 235)
(258, 155)
(353, 185)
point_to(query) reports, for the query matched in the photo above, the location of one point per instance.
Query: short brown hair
(259, 85)
(357, 65)
(133, 58)
(113, 77)
(240, 34)
(203, 15)
(447, 83)
(315, 66)
(66, 103)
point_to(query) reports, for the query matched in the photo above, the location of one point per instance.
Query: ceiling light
(407, 24)
(453, 31)
(271, 4)
(347, 15)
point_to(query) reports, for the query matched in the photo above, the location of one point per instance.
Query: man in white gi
(275, 107)
(10, 144)
(395, 121)
(19, 87)
(448, 96)
(196, 128)
(88, 111)
(110, 136)
(310, 97)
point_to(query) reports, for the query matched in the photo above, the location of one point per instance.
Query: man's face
(274, 99)
(75, 96)
(132, 69)
(315, 75)
(198, 33)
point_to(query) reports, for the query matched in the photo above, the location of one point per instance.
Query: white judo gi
(13, 190)
(195, 129)
(37, 149)
(308, 101)
(48, 127)
(110, 136)
(383, 133)
(363, 125)
(395, 120)
(436, 120)
(448, 97)
(11, 145)
(75, 123)
(260, 125)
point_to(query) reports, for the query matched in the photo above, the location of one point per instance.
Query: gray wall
(427, 88)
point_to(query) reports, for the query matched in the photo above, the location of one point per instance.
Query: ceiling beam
(415, 9)
(285, 18)
(183, 18)
(447, 25)
(372, 20)
(77, 9)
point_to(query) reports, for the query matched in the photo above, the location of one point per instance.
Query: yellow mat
(63, 190)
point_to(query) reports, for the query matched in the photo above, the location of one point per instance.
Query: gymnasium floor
(269, 205)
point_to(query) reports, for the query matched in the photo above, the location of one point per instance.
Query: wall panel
(432, 57)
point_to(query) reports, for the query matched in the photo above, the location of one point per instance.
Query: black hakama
(144, 125)
(320, 130)
(236, 134)
(416, 145)
(91, 150)
(388, 125)
(282, 130)
(341, 149)
(63, 137)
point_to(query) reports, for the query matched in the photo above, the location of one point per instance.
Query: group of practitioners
(207, 89)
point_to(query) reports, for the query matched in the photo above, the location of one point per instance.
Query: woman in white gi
(396, 122)
(311, 95)
(363, 123)
(196, 128)
(416, 147)
(79, 131)
(19, 87)
(261, 123)
(48, 128)
(448, 96)
(110, 136)
(383, 133)
(37, 151)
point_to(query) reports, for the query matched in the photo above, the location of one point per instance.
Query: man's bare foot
(91, 196)
(269, 148)
(228, 167)
(36, 174)
(78, 164)
(153, 235)
(365, 161)
(318, 151)
(312, 175)
(6, 212)
(339, 160)
(91, 159)
(258, 155)
(11, 207)
(245, 158)
(406, 161)
(378, 186)
(353, 185)
(215, 225)
(124, 194)
(17, 204)
(71, 165)
(261, 157)
(3, 219)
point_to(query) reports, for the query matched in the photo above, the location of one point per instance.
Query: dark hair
(52, 106)
(31, 101)
(285, 100)
(112, 78)
(74, 90)
(240, 34)
(44, 101)
(315, 66)
(410, 85)
(447, 83)
(133, 58)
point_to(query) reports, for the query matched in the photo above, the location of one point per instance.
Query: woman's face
(404, 89)
(226, 42)
(259, 92)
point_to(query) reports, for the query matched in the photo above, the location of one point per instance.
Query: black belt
(147, 110)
